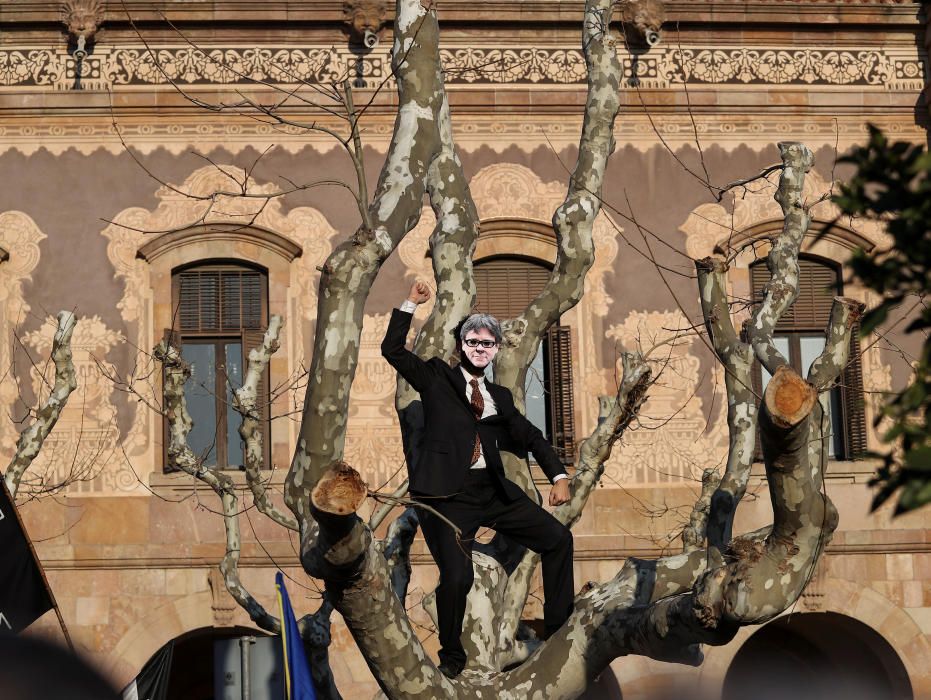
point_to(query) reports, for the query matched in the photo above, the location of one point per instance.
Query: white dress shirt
(490, 410)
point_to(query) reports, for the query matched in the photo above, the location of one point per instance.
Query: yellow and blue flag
(297, 681)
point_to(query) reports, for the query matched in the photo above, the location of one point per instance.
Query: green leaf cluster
(893, 184)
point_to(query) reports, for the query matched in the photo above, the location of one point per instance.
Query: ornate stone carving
(813, 596)
(673, 440)
(84, 447)
(493, 132)
(365, 19)
(83, 18)
(646, 16)
(235, 220)
(890, 68)
(221, 602)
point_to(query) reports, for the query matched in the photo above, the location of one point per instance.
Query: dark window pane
(201, 401)
(233, 419)
(535, 401)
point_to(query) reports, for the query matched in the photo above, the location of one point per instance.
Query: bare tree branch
(66, 381)
(180, 455)
(245, 401)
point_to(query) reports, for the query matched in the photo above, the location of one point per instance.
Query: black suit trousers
(480, 504)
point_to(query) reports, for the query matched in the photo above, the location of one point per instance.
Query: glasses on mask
(475, 342)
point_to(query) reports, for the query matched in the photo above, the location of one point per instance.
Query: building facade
(109, 163)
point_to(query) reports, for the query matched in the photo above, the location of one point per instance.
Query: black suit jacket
(440, 460)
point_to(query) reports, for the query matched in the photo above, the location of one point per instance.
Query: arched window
(799, 337)
(505, 285)
(220, 311)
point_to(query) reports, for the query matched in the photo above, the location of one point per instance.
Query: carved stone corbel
(82, 18)
(645, 16)
(365, 19)
(222, 603)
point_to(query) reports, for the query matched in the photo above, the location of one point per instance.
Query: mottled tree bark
(245, 401)
(181, 456)
(664, 609)
(737, 358)
(348, 273)
(314, 628)
(66, 381)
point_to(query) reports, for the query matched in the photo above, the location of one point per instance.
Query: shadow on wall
(813, 656)
(32, 668)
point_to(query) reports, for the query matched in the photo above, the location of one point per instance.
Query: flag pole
(48, 588)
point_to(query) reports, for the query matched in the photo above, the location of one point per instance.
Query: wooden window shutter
(852, 398)
(505, 286)
(559, 383)
(818, 285)
(199, 301)
(220, 301)
(253, 339)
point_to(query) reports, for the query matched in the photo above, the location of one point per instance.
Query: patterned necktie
(478, 408)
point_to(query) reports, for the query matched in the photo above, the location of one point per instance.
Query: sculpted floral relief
(674, 439)
(886, 68)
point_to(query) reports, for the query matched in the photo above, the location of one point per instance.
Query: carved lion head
(83, 17)
(646, 15)
(364, 15)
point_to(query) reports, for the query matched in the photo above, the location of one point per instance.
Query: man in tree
(456, 469)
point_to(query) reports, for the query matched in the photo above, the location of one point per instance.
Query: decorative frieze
(886, 68)
(497, 132)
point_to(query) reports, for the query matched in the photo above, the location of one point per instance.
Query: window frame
(556, 348)
(849, 443)
(247, 339)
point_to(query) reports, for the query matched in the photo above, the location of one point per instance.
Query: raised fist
(420, 292)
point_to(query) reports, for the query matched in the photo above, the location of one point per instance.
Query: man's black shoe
(450, 669)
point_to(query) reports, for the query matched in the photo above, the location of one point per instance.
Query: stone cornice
(270, 12)
(756, 130)
(158, 246)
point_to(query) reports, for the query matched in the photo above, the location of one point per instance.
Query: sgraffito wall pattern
(83, 449)
(20, 238)
(674, 438)
(252, 228)
(741, 231)
(887, 68)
